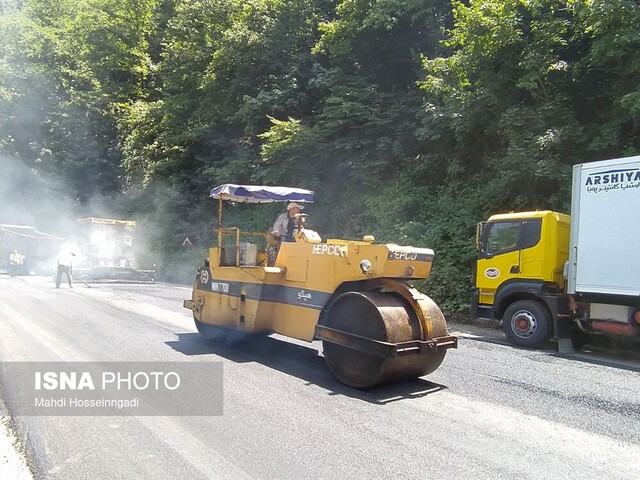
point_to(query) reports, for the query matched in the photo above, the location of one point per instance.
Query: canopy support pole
(220, 221)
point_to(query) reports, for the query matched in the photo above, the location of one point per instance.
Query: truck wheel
(527, 323)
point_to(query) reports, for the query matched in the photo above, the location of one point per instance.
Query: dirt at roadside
(13, 463)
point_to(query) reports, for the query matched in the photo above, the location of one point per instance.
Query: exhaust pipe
(614, 328)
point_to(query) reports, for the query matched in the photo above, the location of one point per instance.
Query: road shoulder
(13, 462)
(628, 359)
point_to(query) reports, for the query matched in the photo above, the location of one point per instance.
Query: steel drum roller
(386, 317)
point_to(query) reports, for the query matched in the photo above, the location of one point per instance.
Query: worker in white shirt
(65, 265)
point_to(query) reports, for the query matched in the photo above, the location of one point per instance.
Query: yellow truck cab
(519, 274)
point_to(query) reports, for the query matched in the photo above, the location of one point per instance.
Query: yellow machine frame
(238, 289)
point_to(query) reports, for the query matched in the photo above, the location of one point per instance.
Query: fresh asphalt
(490, 411)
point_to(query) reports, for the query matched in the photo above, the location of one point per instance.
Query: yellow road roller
(354, 296)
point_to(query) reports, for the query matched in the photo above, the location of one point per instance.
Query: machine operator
(286, 223)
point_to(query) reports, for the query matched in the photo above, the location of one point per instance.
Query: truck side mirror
(479, 235)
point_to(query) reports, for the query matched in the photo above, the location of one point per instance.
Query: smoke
(27, 198)
(174, 229)
(164, 218)
(59, 161)
(30, 197)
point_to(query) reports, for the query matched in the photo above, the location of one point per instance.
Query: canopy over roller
(260, 194)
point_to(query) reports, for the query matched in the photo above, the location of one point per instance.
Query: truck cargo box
(605, 231)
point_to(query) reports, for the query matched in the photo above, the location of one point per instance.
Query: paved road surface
(490, 411)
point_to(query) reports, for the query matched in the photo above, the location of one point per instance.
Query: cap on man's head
(294, 205)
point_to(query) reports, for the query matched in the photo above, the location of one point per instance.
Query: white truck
(547, 274)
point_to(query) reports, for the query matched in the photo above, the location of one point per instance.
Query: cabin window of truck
(503, 237)
(530, 233)
(506, 237)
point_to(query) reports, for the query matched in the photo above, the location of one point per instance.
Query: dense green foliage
(411, 120)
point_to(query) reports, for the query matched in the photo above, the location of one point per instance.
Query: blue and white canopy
(260, 194)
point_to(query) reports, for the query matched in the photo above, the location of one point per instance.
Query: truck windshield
(502, 237)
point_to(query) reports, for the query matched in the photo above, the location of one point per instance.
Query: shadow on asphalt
(298, 361)
(630, 363)
(600, 350)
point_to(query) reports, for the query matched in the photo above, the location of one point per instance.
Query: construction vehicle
(38, 249)
(547, 274)
(108, 251)
(355, 296)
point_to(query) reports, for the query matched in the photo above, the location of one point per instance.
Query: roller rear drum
(385, 317)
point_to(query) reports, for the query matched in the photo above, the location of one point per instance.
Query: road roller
(353, 295)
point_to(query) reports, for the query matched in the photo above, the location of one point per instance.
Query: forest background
(412, 120)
